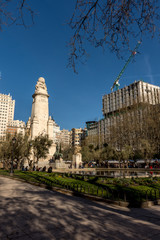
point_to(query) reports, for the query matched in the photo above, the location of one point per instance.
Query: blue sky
(41, 51)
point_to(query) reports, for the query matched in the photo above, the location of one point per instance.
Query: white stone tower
(40, 122)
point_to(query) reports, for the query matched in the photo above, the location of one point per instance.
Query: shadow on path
(30, 212)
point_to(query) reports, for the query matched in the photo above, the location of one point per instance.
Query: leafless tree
(138, 128)
(16, 12)
(111, 23)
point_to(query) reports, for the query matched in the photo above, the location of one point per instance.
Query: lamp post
(13, 142)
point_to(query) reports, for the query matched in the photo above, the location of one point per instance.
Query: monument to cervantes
(40, 122)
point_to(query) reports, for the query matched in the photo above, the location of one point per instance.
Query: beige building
(7, 106)
(77, 135)
(64, 138)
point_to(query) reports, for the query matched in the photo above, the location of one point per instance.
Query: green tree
(87, 153)
(68, 153)
(19, 151)
(40, 146)
(146, 150)
(127, 153)
(6, 152)
(107, 153)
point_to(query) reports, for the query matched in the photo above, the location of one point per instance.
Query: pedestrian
(37, 169)
(49, 169)
(44, 169)
(26, 168)
(34, 168)
(23, 168)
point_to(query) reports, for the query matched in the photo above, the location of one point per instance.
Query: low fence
(134, 197)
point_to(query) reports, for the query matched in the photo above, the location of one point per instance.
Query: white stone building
(7, 105)
(119, 101)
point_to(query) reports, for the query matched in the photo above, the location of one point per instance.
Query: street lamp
(13, 142)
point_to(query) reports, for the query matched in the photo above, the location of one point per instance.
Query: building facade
(56, 132)
(137, 92)
(7, 106)
(76, 136)
(121, 104)
(125, 104)
(16, 127)
(64, 138)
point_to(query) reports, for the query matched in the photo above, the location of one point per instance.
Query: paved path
(30, 212)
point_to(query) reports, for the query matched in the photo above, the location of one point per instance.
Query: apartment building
(64, 138)
(77, 135)
(16, 127)
(7, 106)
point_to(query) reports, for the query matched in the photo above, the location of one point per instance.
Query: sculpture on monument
(41, 85)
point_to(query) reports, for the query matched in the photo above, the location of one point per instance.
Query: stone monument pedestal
(77, 160)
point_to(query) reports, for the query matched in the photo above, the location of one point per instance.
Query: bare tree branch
(16, 12)
(111, 23)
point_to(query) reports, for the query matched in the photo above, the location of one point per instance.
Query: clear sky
(41, 51)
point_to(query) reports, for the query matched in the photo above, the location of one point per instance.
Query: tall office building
(137, 92)
(116, 104)
(7, 105)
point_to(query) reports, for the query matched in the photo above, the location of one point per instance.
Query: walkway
(30, 212)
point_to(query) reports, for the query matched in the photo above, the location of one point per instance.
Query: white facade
(7, 106)
(136, 93)
(56, 132)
